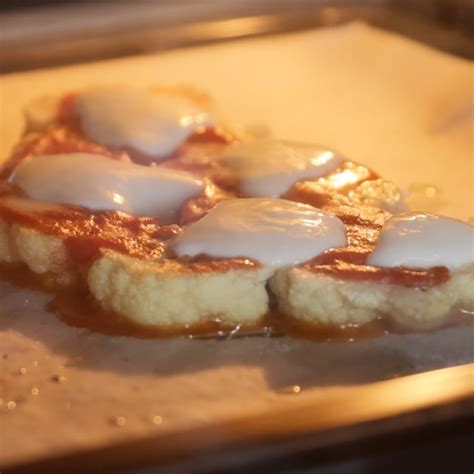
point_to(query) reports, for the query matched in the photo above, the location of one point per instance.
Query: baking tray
(367, 421)
(361, 420)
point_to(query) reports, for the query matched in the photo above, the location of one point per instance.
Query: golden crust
(325, 300)
(166, 293)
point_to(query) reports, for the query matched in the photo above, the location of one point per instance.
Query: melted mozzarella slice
(268, 168)
(155, 124)
(424, 240)
(101, 183)
(274, 232)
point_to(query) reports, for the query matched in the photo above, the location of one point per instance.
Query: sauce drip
(79, 309)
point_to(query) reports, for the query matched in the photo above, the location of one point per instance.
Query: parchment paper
(400, 107)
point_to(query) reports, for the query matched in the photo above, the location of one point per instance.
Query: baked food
(144, 203)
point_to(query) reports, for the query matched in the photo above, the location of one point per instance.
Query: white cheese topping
(424, 240)
(101, 183)
(274, 232)
(268, 168)
(155, 124)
